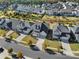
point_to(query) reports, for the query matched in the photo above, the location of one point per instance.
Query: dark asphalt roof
(63, 28)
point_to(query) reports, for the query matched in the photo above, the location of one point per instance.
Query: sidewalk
(39, 43)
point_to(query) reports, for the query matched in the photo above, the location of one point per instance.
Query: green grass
(3, 32)
(52, 43)
(74, 46)
(14, 35)
(29, 38)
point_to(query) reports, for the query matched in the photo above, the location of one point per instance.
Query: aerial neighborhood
(39, 31)
(58, 9)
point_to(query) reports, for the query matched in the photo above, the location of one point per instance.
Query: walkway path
(20, 37)
(39, 43)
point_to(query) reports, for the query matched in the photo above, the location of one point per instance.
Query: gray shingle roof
(42, 35)
(56, 32)
(2, 21)
(77, 30)
(36, 26)
(63, 29)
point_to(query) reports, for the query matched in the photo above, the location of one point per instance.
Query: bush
(7, 58)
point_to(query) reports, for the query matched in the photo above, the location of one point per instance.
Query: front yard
(28, 39)
(53, 44)
(3, 32)
(75, 48)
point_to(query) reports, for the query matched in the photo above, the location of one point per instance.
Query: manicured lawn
(52, 43)
(77, 54)
(29, 38)
(74, 46)
(14, 35)
(3, 32)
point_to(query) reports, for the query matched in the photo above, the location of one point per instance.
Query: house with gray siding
(77, 34)
(42, 35)
(61, 32)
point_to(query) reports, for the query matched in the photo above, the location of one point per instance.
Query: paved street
(30, 53)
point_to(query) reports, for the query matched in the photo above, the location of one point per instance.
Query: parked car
(8, 40)
(50, 51)
(14, 56)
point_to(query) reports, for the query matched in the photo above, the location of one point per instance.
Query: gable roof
(43, 33)
(2, 21)
(63, 28)
(77, 30)
(36, 26)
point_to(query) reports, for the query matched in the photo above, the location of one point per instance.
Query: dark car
(33, 47)
(1, 49)
(50, 51)
(8, 40)
(14, 56)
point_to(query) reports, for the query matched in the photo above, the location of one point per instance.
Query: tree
(7, 58)
(10, 50)
(20, 54)
(30, 42)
